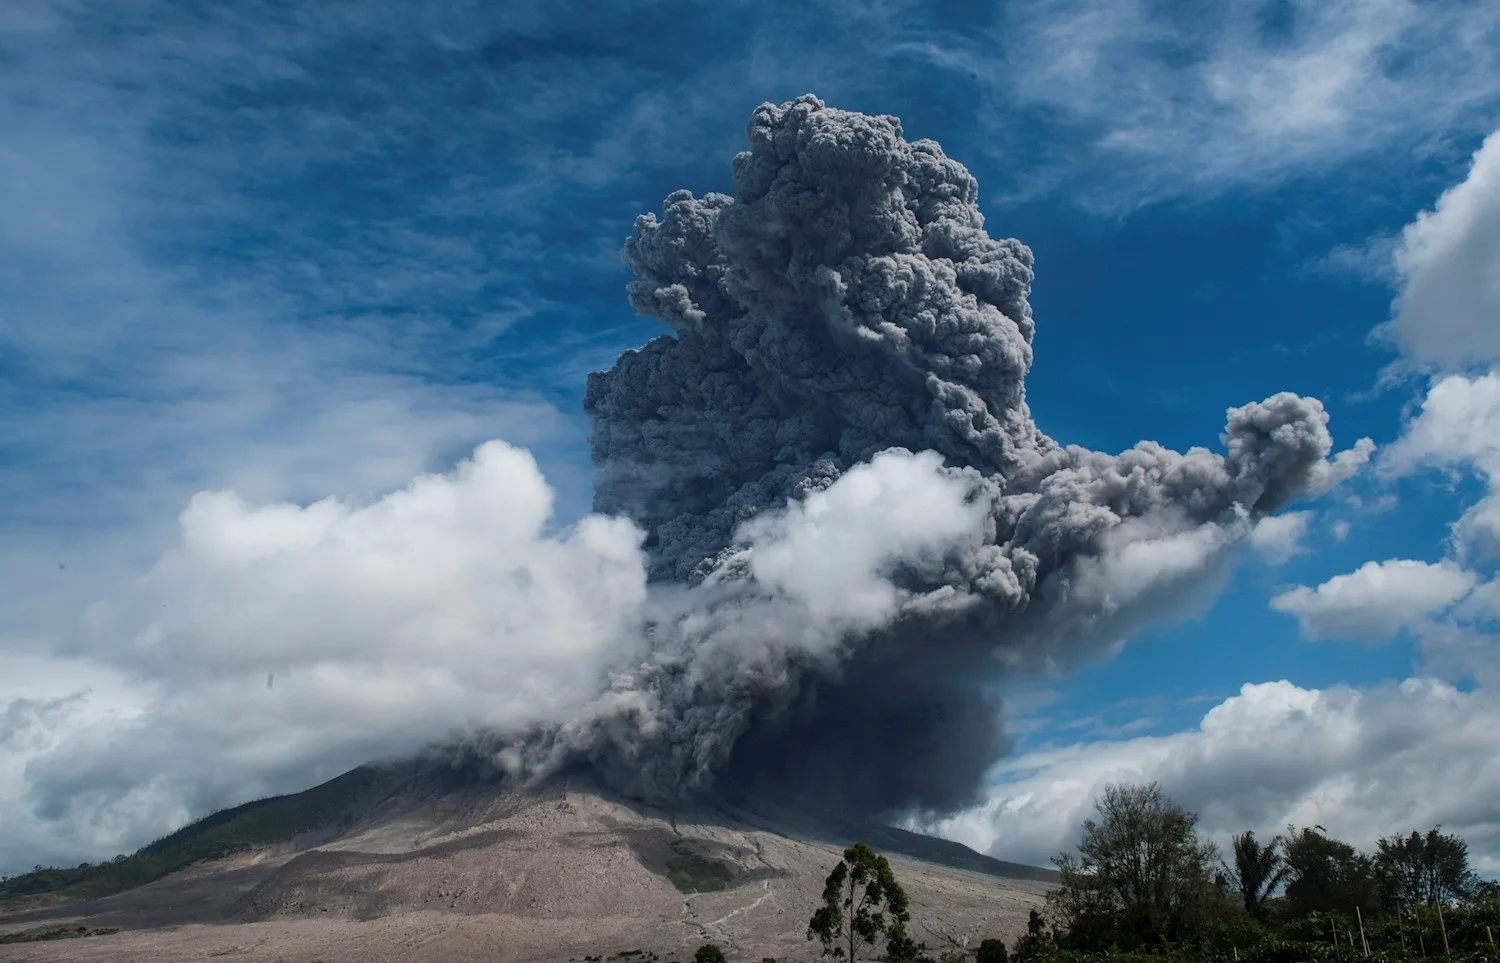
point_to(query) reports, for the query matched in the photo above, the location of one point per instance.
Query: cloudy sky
(262, 267)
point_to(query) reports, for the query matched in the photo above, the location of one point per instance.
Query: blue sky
(307, 251)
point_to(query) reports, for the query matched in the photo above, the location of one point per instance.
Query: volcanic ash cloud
(852, 522)
(826, 524)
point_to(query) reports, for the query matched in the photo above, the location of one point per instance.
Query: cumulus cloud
(923, 514)
(1278, 538)
(278, 642)
(1456, 423)
(1446, 318)
(1458, 427)
(1377, 600)
(1361, 762)
(446, 573)
(1448, 264)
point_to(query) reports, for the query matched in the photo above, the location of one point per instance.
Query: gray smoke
(842, 311)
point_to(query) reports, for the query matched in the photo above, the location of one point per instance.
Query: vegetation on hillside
(261, 823)
(1145, 887)
(693, 873)
(1145, 884)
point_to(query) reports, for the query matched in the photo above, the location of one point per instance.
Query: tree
(1486, 894)
(708, 953)
(1326, 874)
(1141, 876)
(863, 903)
(1036, 942)
(1257, 871)
(992, 951)
(1426, 869)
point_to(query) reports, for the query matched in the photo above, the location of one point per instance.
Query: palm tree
(1257, 870)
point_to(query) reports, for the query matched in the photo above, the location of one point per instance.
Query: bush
(709, 953)
(992, 951)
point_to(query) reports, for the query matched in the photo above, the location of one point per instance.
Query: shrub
(709, 953)
(992, 951)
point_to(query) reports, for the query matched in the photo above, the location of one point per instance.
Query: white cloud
(1447, 317)
(278, 644)
(1192, 100)
(1448, 261)
(159, 360)
(1277, 538)
(1372, 260)
(1459, 423)
(1377, 600)
(1362, 763)
(1480, 525)
(1458, 427)
(1145, 559)
(454, 570)
(1463, 648)
(823, 553)
(1249, 104)
(1344, 465)
(1483, 604)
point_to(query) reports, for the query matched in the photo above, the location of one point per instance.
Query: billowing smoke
(853, 525)
(826, 527)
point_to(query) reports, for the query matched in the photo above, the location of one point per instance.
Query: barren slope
(480, 873)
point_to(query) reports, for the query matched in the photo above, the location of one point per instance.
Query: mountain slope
(295, 819)
(324, 812)
(384, 861)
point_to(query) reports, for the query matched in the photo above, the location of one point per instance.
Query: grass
(692, 873)
(263, 822)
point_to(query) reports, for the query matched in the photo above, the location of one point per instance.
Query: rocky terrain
(433, 872)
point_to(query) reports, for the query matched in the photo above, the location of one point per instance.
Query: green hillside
(263, 822)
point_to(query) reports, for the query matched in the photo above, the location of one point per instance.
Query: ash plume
(852, 524)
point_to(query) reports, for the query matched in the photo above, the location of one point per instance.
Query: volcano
(436, 862)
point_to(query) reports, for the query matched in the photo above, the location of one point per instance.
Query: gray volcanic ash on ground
(853, 524)
(443, 869)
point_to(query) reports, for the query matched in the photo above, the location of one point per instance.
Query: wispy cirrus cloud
(1183, 101)
(293, 252)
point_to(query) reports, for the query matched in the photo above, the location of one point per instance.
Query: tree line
(1144, 881)
(1145, 885)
